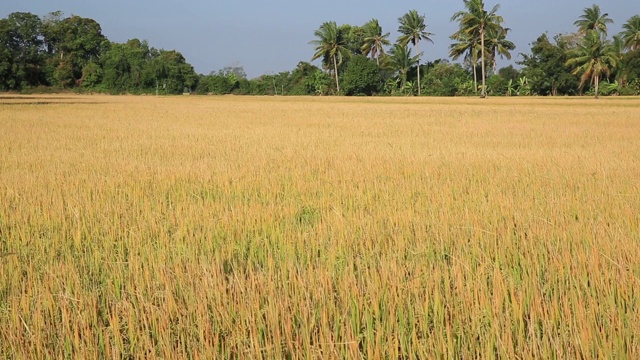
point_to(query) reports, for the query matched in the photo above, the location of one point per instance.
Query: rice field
(319, 228)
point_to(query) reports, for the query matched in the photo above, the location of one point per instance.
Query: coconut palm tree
(413, 30)
(618, 48)
(593, 58)
(631, 33)
(469, 47)
(330, 47)
(402, 61)
(375, 41)
(617, 41)
(593, 19)
(498, 45)
(475, 22)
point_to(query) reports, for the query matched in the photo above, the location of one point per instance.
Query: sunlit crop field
(276, 227)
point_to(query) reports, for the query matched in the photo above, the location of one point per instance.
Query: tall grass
(224, 227)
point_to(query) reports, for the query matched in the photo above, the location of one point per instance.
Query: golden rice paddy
(333, 228)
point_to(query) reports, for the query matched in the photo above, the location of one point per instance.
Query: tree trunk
(475, 77)
(597, 85)
(484, 92)
(335, 71)
(418, 51)
(474, 64)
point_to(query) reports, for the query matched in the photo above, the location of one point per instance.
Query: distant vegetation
(55, 52)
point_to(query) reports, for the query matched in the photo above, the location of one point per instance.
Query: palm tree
(413, 30)
(593, 58)
(618, 48)
(593, 19)
(475, 22)
(631, 33)
(330, 47)
(469, 47)
(617, 42)
(375, 41)
(498, 45)
(402, 61)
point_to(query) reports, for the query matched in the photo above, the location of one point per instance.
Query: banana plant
(523, 87)
(511, 88)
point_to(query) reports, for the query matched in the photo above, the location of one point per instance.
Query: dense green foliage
(445, 79)
(54, 53)
(546, 69)
(73, 53)
(361, 77)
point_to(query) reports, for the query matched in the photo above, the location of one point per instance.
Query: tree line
(54, 52)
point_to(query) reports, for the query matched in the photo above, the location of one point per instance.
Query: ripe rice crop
(278, 227)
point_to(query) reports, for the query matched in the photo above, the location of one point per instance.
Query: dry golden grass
(233, 227)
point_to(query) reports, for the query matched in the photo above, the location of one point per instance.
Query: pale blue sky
(273, 36)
